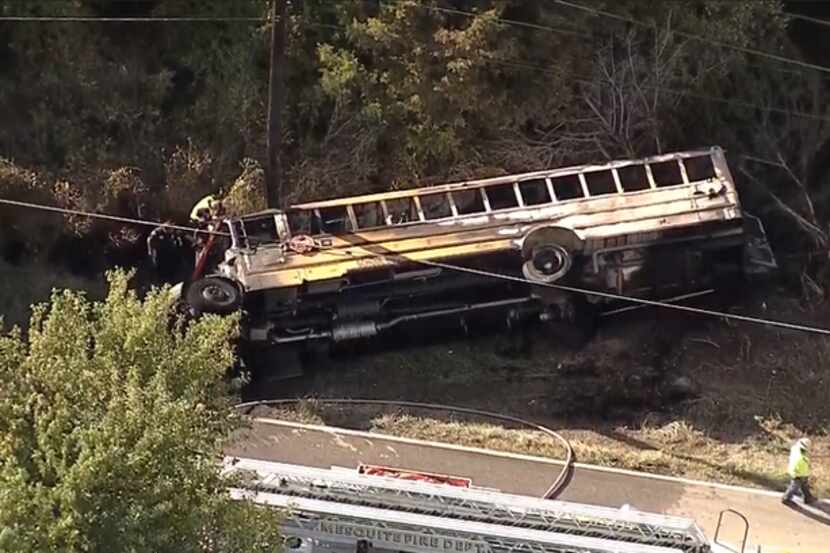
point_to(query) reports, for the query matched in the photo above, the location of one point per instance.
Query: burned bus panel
(664, 227)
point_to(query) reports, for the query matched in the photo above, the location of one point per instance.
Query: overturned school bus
(493, 250)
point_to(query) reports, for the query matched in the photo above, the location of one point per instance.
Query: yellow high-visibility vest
(208, 202)
(799, 466)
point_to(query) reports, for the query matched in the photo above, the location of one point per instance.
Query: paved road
(777, 528)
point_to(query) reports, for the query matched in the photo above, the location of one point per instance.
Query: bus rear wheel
(214, 295)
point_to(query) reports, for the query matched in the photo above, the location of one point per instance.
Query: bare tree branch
(812, 229)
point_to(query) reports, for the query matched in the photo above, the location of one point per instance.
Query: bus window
(633, 178)
(261, 229)
(666, 173)
(299, 222)
(567, 187)
(368, 215)
(699, 168)
(334, 220)
(436, 206)
(401, 211)
(501, 196)
(534, 192)
(600, 182)
(468, 201)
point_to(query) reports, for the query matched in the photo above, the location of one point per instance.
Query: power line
(618, 297)
(558, 70)
(184, 19)
(516, 63)
(583, 34)
(458, 268)
(91, 19)
(513, 22)
(708, 40)
(115, 218)
(819, 21)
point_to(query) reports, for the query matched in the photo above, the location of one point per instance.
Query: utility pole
(276, 100)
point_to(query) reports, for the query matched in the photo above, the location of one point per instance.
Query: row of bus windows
(334, 220)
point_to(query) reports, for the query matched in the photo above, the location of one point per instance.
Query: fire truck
(343, 511)
(479, 252)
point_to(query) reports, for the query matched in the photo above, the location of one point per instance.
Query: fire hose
(553, 490)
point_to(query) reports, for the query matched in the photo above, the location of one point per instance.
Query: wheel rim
(217, 295)
(547, 263)
(549, 260)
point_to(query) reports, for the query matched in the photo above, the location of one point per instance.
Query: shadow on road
(819, 511)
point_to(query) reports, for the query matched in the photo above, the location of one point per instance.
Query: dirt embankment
(654, 391)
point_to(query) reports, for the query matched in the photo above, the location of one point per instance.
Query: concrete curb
(518, 456)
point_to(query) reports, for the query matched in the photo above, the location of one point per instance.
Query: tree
(112, 419)
(785, 162)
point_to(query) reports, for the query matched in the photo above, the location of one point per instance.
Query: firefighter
(205, 210)
(799, 472)
(205, 214)
(160, 235)
(166, 247)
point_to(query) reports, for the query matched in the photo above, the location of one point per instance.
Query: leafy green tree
(466, 88)
(142, 119)
(113, 415)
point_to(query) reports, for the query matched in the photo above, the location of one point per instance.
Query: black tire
(214, 295)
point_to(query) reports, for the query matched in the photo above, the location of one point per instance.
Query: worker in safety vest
(799, 472)
(205, 214)
(206, 209)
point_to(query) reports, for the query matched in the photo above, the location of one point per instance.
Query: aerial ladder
(340, 509)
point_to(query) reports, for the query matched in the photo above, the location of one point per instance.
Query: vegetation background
(142, 119)
(113, 416)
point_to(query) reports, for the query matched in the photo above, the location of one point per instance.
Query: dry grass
(675, 449)
(247, 194)
(306, 411)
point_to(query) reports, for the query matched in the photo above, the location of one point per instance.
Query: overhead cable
(115, 218)
(149, 19)
(643, 301)
(692, 36)
(459, 268)
(504, 21)
(605, 295)
(819, 21)
(559, 71)
(515, 63)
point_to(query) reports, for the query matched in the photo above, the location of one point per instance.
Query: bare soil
(658, 391)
